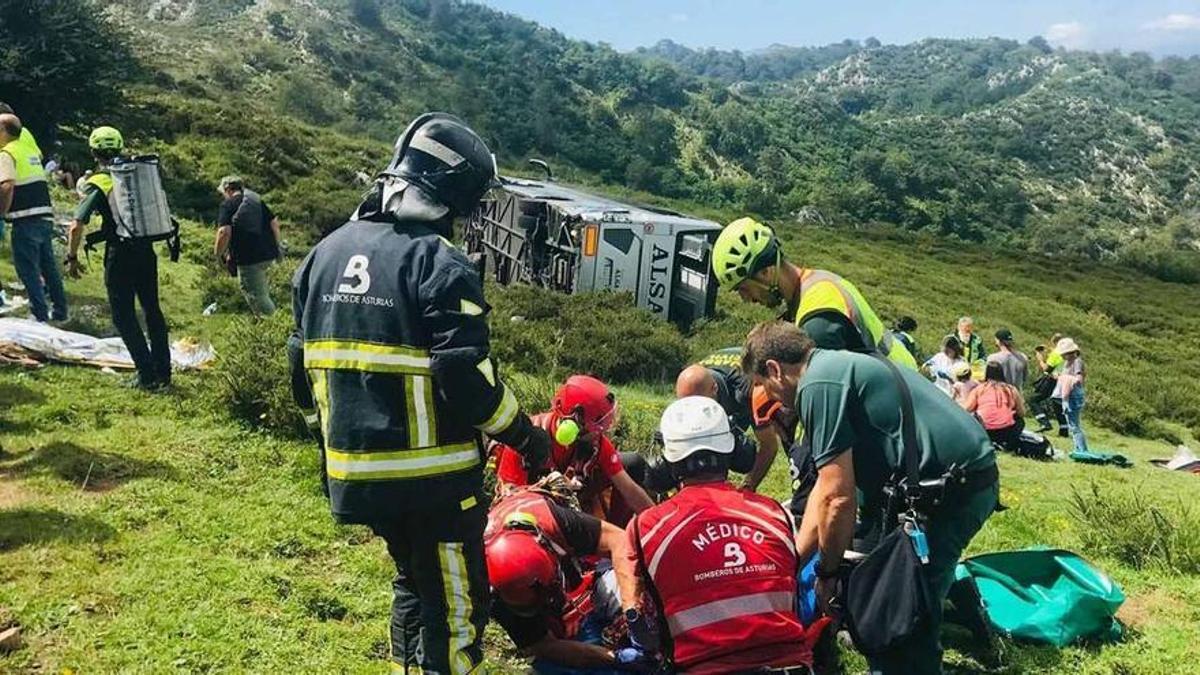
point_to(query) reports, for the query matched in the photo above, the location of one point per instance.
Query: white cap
(1066, 346)
(692, 424)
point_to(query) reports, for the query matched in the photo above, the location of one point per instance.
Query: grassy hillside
(1070, 153)
(144, 533)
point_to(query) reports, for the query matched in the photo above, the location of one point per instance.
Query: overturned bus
(553, 236)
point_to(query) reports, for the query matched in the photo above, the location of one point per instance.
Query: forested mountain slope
(1067, 153)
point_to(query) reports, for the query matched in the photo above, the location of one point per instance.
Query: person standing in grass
(130, 268)
(391, 362)
(1013, 363)
(1045, 406)
(25, 204)
(1070, 390)
(248, 240)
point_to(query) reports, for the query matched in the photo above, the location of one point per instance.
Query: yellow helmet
(743, 248)
(106, 138)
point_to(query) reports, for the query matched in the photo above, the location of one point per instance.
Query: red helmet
(520, 568)
(588, 401)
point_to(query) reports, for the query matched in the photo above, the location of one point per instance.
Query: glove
(535, 450)
(634, 659)
(641, 635)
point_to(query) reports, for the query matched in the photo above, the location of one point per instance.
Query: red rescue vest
(724, 564)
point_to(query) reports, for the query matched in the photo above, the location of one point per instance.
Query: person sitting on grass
(963, 384)
(999, 407)
(940, 366)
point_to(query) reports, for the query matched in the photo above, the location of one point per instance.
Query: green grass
(143, 533)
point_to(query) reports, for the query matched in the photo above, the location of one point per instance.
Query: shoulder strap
(664, 630)
(908, 424)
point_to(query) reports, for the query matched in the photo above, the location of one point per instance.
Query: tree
(61, 62)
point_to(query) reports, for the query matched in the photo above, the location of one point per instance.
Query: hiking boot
(1064, 432)
(137, 382)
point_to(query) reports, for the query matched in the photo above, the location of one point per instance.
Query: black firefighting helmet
(449, 162)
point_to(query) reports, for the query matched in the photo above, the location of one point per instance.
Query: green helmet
(106, 138)
(744, 247)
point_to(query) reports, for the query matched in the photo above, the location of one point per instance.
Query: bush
(552, 334)
(254, 381)
(1124, 525)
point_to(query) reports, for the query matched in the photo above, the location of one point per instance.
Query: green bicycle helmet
(743, 248)
(106, 138)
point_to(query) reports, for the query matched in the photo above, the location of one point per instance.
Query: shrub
(1124, 525)
(603, 334)
(254, 381)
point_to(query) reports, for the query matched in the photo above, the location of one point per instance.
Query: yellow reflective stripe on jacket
(422, 420)
(365, 356)
(504, 415)
(351, 466)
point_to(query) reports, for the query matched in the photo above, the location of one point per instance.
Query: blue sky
(1160, 27)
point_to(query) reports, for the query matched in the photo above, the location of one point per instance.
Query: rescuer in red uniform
(550, 604)
(719, 563)
(581, 414)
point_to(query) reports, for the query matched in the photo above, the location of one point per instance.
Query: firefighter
(580, 416)
(719, 563)
(720, 378)
(550, 603)
(392, 336)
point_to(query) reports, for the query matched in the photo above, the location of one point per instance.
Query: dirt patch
(1140, 610)
(11, 493)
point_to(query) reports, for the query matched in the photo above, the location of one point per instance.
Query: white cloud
(1174, 23)
(679, 17)
(1069, 34)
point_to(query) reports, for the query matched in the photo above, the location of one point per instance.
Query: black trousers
(1009, 437)
(131, 271)
(440, 592)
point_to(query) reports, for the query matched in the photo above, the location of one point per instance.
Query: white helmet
(692, 424)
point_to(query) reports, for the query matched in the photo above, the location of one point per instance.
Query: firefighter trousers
(440, 602)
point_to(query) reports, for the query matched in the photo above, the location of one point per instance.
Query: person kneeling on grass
(717, 564)
(554, 589)
(999, 407)
(580, 416)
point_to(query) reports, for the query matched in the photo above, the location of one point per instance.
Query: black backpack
(1034, 446)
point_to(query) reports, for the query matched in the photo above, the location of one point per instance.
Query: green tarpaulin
(1045, 595)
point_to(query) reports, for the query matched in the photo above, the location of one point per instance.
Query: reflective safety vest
(822, 291)
(723, 562)
(31, 192)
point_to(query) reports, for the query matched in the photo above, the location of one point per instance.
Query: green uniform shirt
(850, 401)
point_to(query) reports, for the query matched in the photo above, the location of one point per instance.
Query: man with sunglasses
(553, 586)
(581, 414)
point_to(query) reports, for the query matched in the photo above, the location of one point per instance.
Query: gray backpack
(138, 201)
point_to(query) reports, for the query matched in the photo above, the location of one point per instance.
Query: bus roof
(590, 206)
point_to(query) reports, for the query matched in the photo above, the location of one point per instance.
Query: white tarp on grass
(49, 343)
